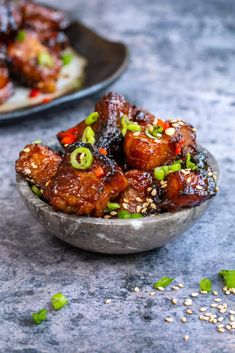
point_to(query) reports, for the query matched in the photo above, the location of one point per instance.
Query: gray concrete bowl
(116, 236)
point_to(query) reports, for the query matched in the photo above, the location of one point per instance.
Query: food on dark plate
(33, 41)
(121, 162)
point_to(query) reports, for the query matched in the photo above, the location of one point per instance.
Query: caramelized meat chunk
(33, 63)
(6, 86)
(85, 192)
(10, 19)
(43, 18)
(146, 152)
(38, 164)
(187, 190)
(137, 197)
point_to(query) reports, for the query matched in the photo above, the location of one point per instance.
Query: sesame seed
(143, 210)
(213, 305)
(174, 301)
(231, 318)
(125, 200)
(194, 295)
(186, 337)
(210, 174)
(183, 319)
(225, 288)
(160, 288)
(149, 189)
(205, 318)
(170, 131)
(189, 180)
(138, 199)
(107, 301)
(217, 300)
(216, 188)
(215, 292)
(203, 292)
(175, 125)
(221, 330)
(220, 326)
(208, 314)
(228, 327)
(153, 206)
(125, 205)
(107, 216)
(136, 289)
(222, 311)
(152, 293)
(138, 209)
(169, 319)
(220, 319)
(188, 302)
(189, 311)
(149, 200)
(202, 309)
(199, 187)
(154, 192)
(201, 317)
(137, 133)
(181, 285)
(232, 312)
(175, 287)
(113, 213)
(145, 204)
(227, 292)
(164, 186)
(194, 129)
(26, 150)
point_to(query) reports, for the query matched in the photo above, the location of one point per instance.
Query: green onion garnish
(21, 35)
(112, 206)
(229, 278)
(128, 125)
(153, 131)
(161, 172)
(88, 135)
(67, 58)
(86, 158)
(163, 282)
(58, 301)
(45, 59)
(205, 285)
(123, 214)
(189, 163)
(36, 190)
(92, 118)
(39, 316)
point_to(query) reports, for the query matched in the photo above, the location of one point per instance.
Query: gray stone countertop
(182, 65)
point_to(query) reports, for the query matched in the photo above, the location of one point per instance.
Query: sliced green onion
(229, 278)
(128, 125)
(154, 131)
(205, 284)
(21, 35)
(175, 167)
(88, 135)
(163, 282)
(86, 158)
(123, 214)
(39, 316)
(159, 173)
(58, 301)
(36, 190)
(67, 58)
(189, 164)
(92, 118)
(45, 59)
(112, 206)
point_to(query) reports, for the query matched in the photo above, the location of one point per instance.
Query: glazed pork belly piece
(140, 194)
(159, 144)
(33, 63)
(85, 181)
(10, 19)
(42, 18)
(6, 86)
(38, 164)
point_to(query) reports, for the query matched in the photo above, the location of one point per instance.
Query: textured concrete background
(182, 65)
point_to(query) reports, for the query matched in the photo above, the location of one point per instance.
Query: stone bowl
(114, 236)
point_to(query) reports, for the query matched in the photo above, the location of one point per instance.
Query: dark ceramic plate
(105, 63)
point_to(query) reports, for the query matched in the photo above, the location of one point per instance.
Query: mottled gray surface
(182, 64)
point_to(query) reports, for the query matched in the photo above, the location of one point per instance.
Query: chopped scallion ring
(92, 118)
(88, 135)
(86, 158)
(124, 214)
(36, 190)
(189, 164)
(58, 301)
(112, 206)
(129, 125)
(67, 58)
(45, 59)
(21, 35)
(154, 131)
(39, 316)
(161, 172)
